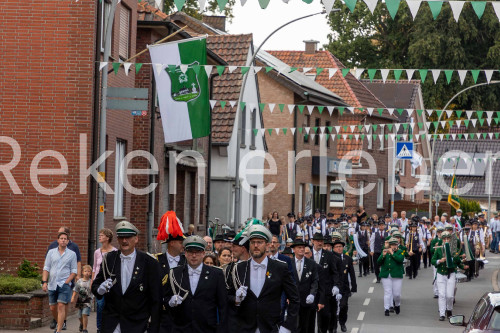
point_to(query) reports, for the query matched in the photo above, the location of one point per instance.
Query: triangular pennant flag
(232, 103)
(367, 128)
(380, 111)
(459, 123)
(321, 137)
(331, 72)
(428, 124)
(397, 126)
(183, 68)
(344, 136)
(341, 110)
(196, 69)
(179, 4)
(102, 64)
(293, 69)
(262, 106)
(443, 124)
(462, 73)
(256, 69)
(469, 114)
(456, 8)
(222, 4)
(268, 69)
(370, 111)
(489, 114)
(271, 107)
(435, 72)
(481, 121)
(220, 70)
(138, 67)
(488, 73)
(351, 108)
(490, 135)
(351, 4)
(319, 70)
(231, 68)
(277, 131)
(429, 112)
(371, 4)
(359, 71)
(400, 111)
(223, 104)
(441, 136)
(242, 105)
(337, 129)
(244, 69)
(496, 7)
(322, 129)
(435, 7)
(212, 103)
(356, 136)
(414, 6)
(466, 123)
(448, 73)
(479, 114)
(158, 68)
(475, 74)
(392, 7)
(116, 67)
(320, 108)
(391, 111)
(306, 69)
(310, 108)
(330, 109)
(281, 106)
(417, 136)
(371, 73)
(397, 74)
(474, 121)
(384, 73)
(352, 127)
(307, 129)
(255, 131)
(291, 107)
(345, 71)
(126, 66)
(292, 130)
(208, 69)
(423, 74)
(409, 73)
(478, 7)
(270, 131)
(409, 112)
(449, 112)
(202, 5)
(301, 108)
(328, 5)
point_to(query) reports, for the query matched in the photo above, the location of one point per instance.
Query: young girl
(82, 297)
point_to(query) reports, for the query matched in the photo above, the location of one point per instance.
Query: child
(82, 297)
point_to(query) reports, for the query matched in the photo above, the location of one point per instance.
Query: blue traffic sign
(404, 150)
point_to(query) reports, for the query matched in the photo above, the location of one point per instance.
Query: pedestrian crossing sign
(404, 150)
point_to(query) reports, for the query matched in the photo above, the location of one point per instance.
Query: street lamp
(434, 138)
(240, 122)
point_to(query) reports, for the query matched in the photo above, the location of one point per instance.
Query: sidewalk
(72, 322)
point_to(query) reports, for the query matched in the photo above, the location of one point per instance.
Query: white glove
(284, 330)
(105, 286)
(338, 297)
(335, 291)
(310, 299)
(241, 293)
(174, 301)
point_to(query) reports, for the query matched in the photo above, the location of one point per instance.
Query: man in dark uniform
(172, 258)
(305, 272)
(364, 240)
(320, 222)
(377, 244)
(292, 228)
(329, 280)
(414, 247)
(197, 295)
(129, 280)
(260, 282)
(219, 243)
(346, 275)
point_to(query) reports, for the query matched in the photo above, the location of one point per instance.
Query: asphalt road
(419, 310)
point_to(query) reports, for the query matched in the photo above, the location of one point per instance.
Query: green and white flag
(182, 90)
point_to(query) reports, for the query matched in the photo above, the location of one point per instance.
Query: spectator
(225, 256)
(308, 253)
(105, 238)
(437, 222)
(72, 246)
(274, 224)
(208, 239)
(210, 259)
(190, 230)
(404, 221)
(59, 270)
(82, 297)
(361, 213)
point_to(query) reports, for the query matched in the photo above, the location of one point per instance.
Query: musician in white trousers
(436, 241)
(391, 274)
(446, 264)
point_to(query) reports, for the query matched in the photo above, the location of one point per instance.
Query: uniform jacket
(441, 267)
(329, 274)
(141, 300)
(391, 264)
(203, 311)
(308, 282)
(263, 312)
(346, 272)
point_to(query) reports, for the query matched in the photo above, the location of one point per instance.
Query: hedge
(10, 285)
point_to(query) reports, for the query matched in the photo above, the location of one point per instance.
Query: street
(419, 310)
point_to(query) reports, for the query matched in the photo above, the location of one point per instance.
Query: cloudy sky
(261, 22)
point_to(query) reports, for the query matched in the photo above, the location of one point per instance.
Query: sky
(261, 22)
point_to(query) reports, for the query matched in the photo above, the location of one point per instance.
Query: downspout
(152, 176)
(91, 243)
(295, 150)
(209, 166)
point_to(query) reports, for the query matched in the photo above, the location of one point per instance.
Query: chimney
(311, 46)
(217, 22)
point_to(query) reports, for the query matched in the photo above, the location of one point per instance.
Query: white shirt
(317, 255)
(274, 256)
(127, 267)
(173, 262)
(194, 277)
(299, 266)
(257, 275)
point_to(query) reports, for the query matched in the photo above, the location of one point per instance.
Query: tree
(366, 40)
(192, 8)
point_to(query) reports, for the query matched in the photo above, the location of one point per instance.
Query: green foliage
(27, 270)
(192, 8)
(366, 40)
(467, 206)
(10, 285)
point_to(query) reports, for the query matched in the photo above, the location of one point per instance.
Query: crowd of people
(279, 275)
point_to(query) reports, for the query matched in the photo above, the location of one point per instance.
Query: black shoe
(410, 277)
(81, 327)
(53, 324)
(391, 309)
(441, 318)
(343, 328)
(448, 313)
(378, 280)
(64, 326)
(436, 296)
(397, 309)
(425, 266)
(386, 313)
(364, 274)
(373, 271)
(360, 275)
(85, 331)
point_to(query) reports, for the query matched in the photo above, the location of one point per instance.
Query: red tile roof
(146, 12)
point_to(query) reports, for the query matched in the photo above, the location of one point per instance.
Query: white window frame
(402, 167)
(119, 174)
(361, 193)
(413, 171)
(380, 193)
(382, 138)
(370, 137)
(301, 197)
(412, 195)
(105, 8)
(124, 10)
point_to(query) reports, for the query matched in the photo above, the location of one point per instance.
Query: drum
(460, 277)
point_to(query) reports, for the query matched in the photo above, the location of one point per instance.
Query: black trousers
(342, 317)
(377, 267)
(414, 262)
(324, 316)
(426, 258)
(371, 262)
(364, 265)
(472, 269)
(305, 314)
(166, 323)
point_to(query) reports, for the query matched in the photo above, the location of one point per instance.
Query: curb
(494, 280)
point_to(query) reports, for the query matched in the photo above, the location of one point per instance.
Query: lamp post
(435, 132)
(237, 186)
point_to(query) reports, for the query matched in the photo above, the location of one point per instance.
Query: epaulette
(217, 267)
(155, 255)
(281, 261)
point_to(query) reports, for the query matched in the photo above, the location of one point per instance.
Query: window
(119, 174)
(412, 195)
(413, 171)
(253, 115)
(124, 48)
(327, 124)
(317, 124)
(380, 193)
(361, 192)
(370, 138)
(402, 167)
(306, 123)
(382, 138)
(244, 126)
(301, 197)
(105, 8)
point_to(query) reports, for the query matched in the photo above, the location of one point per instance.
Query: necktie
(299, 268)
(316, 257)
(258, 266)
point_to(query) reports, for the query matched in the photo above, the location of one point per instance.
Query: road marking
(374, 280)
(370, 290)
(354, 330)
(494, 280)
(361, 316)
(366, 302)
